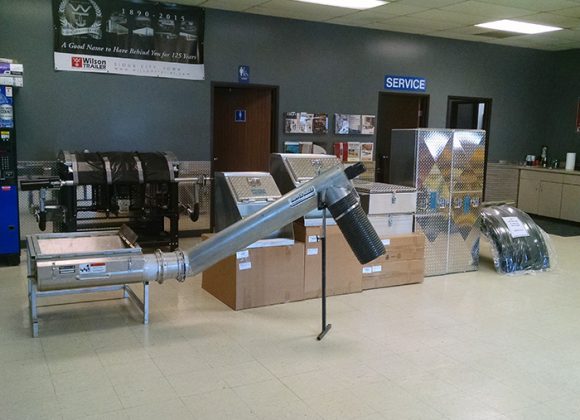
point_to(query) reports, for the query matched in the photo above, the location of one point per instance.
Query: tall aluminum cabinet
(446, 166)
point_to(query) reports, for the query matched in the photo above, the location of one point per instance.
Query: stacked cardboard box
(343, 273)
(403, 263)
(265, 276)
(257, 276)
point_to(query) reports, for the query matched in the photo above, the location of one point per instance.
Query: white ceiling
(441, 18)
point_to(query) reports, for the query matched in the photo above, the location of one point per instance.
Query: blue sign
(244, 74)
(410, 83)
(240, 115)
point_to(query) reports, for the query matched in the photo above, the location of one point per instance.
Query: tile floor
(465, 346)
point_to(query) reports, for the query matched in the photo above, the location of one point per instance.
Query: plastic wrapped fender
(518, 244)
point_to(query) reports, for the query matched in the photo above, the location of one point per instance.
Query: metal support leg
(141, 304)
(146, 302)
(325, 327)
(33, 307)
(125, 292)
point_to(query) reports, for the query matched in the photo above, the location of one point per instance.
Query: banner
(133, 37)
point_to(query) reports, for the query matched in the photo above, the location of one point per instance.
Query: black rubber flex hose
(356, 228)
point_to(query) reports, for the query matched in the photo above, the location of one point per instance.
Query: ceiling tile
(400, 8)
(486, 11)
(536, 5)
(299, 10)
(237, 5)
(454, 35)
(440, 18)
(389, 25)
(430, 4)
(430, 25)
(440, 15)
(570, 12)
(552, 19)
(362, 18)
(190, 2)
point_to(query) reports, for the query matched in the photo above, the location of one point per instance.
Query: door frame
(426, 97)
(486, 122)
(273, 131)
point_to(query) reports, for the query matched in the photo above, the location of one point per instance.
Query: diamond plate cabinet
(446, 167)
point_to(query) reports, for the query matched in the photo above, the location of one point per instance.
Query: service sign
(406, 83)
(139, 38)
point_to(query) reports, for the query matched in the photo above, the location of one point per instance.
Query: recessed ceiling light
(349, 4)
(519, 27)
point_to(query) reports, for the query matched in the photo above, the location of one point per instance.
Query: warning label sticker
(93, 268)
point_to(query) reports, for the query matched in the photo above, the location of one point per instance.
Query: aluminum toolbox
(241, 194)
(290, 170)
(392, 224)
(379, 198)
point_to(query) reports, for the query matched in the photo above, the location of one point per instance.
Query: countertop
(533, 168)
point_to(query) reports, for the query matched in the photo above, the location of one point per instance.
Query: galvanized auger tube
(334, 189)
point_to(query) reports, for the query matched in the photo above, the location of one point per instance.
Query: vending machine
(10, 80)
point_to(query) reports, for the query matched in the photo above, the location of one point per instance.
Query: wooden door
(243, 143)
(397, 110)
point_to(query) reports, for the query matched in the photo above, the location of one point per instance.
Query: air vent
(498, 34)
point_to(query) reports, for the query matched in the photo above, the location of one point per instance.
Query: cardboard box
(403, 263)
(393, 273)
(343, 274)
(257, 276)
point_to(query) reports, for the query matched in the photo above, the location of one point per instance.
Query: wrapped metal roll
(518, 243)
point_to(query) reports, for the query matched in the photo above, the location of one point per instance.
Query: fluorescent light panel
(348, 4)
(518, 27)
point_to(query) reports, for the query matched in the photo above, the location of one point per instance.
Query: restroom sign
(407, 83)
(240, 115)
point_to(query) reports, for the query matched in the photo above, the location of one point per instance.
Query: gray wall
(564, 93)
(318, 67)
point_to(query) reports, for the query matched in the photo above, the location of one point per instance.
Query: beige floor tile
(24, 390)
(244, 374)
(339, 405)
(25, 410)
(464, 406)
(416, 411)
(113, 415)
(133, 371)
(467, 346)
(313, 384)
(197, 382)
(289, 410)
(219, 404)
(540, 412)
(503, 398)
(173, 409)
(80, 380)
(180, 363)
(96, 401)
(267, 392)
(143, 391)
(384, 396)
(66, 362)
